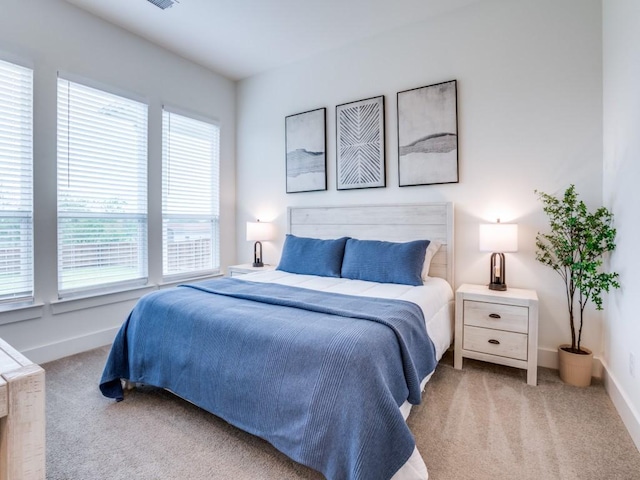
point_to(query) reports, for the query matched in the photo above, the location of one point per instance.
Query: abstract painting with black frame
(306, 146)
(360, 151)
(428, 135)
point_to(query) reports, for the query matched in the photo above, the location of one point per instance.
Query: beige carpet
(480, 423)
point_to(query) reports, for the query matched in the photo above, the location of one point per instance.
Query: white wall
(530, 117)
(621, 51)
(51, 36)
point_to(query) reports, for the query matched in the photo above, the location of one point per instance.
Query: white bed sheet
(435, 298)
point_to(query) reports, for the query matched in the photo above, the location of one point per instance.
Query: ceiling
(241, 38)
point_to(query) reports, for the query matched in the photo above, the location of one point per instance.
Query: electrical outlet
(632, 365)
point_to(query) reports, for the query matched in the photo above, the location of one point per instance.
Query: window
(16, 183)
(190, 198)
(102, 190)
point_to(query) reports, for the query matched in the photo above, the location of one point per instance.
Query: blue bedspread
(318, 375)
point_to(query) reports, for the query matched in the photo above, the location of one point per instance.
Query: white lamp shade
(259, 231)
(498, 237)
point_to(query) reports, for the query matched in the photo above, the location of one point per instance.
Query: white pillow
(433, 247)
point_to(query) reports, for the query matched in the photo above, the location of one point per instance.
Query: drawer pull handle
(494, 315)
(494, 342)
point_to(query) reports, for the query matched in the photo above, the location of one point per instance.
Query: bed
(325, 367)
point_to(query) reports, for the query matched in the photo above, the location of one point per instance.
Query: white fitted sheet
(435, 298)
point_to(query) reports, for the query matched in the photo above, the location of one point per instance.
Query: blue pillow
(384, 262)
(312, 256)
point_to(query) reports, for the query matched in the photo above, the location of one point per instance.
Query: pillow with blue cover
(312, 256)
(384, 262)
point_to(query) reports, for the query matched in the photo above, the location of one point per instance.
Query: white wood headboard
(393, 223)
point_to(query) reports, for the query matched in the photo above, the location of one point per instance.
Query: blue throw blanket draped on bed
(318, 375)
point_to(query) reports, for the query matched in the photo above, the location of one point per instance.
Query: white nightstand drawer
(239, 270)
(495, 342)
(497, 316)
(233, 273)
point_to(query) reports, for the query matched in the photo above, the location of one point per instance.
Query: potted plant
(574, 248)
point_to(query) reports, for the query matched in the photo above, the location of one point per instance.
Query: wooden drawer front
(509, 344)
(494, 315)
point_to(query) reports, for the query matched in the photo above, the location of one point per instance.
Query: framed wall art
(360, 151)
(306, 146)
(428, 135)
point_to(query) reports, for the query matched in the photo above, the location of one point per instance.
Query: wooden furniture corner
(22, 417)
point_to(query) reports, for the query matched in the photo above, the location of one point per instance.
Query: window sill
(31, 311)
(100, 299)
(19, 313)
(172, 282)
(132, 293)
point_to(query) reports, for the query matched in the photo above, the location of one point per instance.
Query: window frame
(25, 298)
(215, 193)
(142, 216)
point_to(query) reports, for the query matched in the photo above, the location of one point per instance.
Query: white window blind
(102, 189)
(190, 195)
(16, 184)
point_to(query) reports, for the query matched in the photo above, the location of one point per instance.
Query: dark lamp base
(497, 272)
(257, 255)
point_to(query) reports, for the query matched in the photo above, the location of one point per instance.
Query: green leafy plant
(574, 248)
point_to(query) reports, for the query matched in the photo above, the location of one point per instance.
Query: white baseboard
(70, 346)
(548, 358)
(629, 415)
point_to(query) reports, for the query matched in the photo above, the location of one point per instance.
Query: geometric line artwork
(428, 135)
(360, 148)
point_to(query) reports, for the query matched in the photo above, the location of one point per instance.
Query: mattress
(304, 329)
(435, 298)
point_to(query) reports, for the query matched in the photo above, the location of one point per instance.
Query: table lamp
(258, 232)
(498, 238)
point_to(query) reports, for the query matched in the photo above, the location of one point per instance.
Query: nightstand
(497, 327)
(237, 270)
